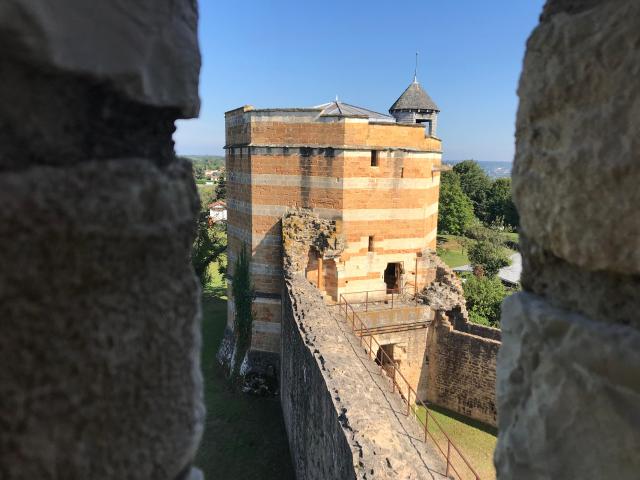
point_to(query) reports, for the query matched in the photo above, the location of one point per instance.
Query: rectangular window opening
(374, 158)
(370, 248)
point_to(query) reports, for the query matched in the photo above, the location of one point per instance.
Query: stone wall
(318, 444)
(99, 337)
(568, 383)
(461, 370)
(408, 345)
(340, 423)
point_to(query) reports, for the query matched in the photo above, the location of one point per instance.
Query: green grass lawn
(244, 436)
(475, 440)
(451, 250)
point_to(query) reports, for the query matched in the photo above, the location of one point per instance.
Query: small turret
(416, 106)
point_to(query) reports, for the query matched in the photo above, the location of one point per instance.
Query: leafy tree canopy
(455, 212)
(488, 252)
(475, 184)
(484, 297)
(221, 187)
(500, 206)
(209, 245)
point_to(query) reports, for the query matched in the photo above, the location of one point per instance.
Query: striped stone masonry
(385, 203)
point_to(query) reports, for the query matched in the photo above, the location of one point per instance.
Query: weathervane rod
(415, 72)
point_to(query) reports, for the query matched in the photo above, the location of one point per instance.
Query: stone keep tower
(376, 175)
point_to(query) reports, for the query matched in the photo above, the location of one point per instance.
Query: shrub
(488, 253)
(484, 297)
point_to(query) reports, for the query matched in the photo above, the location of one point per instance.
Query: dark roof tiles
(414, 98)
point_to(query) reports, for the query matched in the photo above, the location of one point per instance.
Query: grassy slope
(475, 440)
(244, 437)
(451, 252)
(450, 249)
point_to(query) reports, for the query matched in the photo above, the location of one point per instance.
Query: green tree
(198, 172)
(243, 296)
(221, 187)
(207, 194)
(209, 245)
(500, 206)
(475, 184)
(484, 297)
(455, 212)
(488, 253)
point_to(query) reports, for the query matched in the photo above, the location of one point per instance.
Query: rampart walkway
(405, 427)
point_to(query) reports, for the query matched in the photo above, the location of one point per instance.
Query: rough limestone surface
(568, 375)
(145, 49)
(577, 168)
(342, 420)
(445, 292)
(99, 306)
(301, 230)
(568, 393)
(99, 340)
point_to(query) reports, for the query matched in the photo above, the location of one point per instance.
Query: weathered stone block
(147, 49)
(576, 173)
(99, 330)
(568, 390)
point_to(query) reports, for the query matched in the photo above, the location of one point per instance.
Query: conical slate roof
(414, 98)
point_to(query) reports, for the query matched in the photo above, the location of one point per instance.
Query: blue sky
(292, 53)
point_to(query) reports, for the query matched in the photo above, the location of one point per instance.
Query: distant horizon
(283, 54)
(445, 161)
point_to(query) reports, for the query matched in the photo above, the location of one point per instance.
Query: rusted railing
(406, 391)
(391, 297)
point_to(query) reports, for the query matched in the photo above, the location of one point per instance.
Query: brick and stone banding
(282, 159)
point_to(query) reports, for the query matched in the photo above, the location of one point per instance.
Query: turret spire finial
(415, 72)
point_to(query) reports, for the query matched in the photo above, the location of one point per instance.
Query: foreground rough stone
(576, 176)
(100, 340)
(99, 305)
(145, 49)
(569, 369)
(568, 393)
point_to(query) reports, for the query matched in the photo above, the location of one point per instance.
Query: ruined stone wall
(408, 345)
(318, 444)
(342, 420)
(569, 368)
(340, 423)
(99, 306)
(461, 371)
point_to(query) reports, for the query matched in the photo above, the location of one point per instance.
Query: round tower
(416, 106)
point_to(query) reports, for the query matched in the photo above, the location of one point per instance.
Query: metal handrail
(400, 291)
(361, 328)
